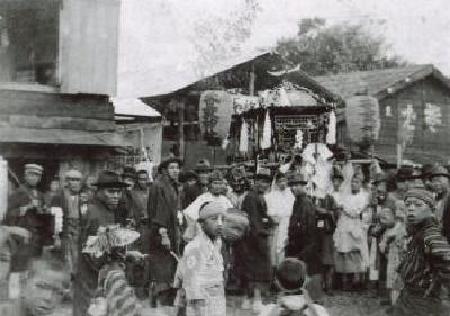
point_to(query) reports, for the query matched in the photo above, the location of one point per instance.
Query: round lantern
(362, 115)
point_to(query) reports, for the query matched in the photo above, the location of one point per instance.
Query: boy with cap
(200, 270)
(425, 266)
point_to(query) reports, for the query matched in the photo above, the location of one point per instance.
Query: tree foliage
(320, 49)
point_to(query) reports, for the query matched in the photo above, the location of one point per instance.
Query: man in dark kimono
(135, 210)
(305, 235)
(26, 208)
(165, 223)
(425, 266)
(252, 253)
(134, 197)
(103, 210)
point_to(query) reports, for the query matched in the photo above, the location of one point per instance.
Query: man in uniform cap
(26, 208)
(203, 171)
(306, 234)
(252, 254)
(239, 186)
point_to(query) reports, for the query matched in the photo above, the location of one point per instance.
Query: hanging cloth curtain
(267, 133)
(243, 141)
(331, 132)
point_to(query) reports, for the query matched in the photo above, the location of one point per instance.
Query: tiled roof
(377, 82)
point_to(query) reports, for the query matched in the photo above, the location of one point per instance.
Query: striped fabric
(120, 297)
(426, 264)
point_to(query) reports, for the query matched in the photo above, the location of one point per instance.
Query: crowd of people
(207, 232)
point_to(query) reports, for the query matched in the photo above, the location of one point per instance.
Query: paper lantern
(362, 115)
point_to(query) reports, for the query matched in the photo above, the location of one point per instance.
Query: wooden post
(251, 87)
(180, 108)
(3, 187)
(399, 156)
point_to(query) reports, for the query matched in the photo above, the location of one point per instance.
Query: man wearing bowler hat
(103, 210)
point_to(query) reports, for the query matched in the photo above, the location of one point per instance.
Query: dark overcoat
(86, 280)
(163, 206)
(305, 238)
(35, 220)
(252, 252)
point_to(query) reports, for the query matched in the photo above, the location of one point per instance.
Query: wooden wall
(426, 144)
(41, 110)
(89, 46)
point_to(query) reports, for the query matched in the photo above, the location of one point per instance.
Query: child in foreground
(200, 270)
(293, 299)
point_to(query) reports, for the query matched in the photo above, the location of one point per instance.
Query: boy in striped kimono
(425, 267)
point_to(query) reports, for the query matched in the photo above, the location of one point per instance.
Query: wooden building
(60, 62)
(414, 100)
(184, 118)
(56, 130)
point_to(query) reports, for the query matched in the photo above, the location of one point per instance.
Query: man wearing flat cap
(28, 196)
(26, 208)
(103, 210)
(425, 266)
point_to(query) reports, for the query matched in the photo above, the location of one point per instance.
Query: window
(29, 40)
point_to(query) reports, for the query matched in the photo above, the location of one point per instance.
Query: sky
(172, 32)
(417, 30)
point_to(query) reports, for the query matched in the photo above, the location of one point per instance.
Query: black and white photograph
(224, 158)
